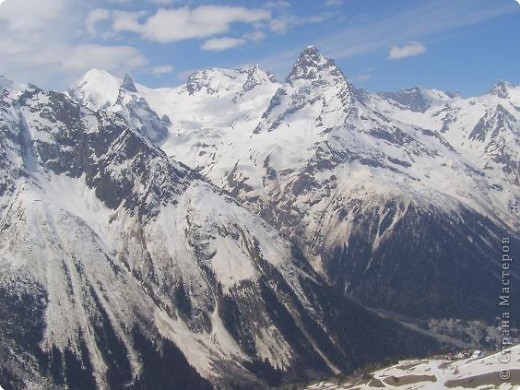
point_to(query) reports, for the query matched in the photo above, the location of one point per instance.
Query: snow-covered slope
(380, 191)
(485, 129)
(96, 89)
(493, 371)
(121, 267)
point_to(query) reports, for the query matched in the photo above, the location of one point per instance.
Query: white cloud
(277, 4)
(162, 2)
(284, 23)
(255, 36)
(41, 42)
(364, 75)
(94, 17)
(443, 16)
(68, 58)
(170, 25)
(279, 25)
(410, 49)
(127, 21)
(158, 2)
(219, 44)
(26, 17)
(163, 69)
(81, 58)
(333, 3)
(371, 36)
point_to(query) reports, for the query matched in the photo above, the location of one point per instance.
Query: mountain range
(240, 232)
(348, 174)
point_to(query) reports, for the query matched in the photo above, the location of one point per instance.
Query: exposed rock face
(118, 259)
(421, 181)
(123, 268)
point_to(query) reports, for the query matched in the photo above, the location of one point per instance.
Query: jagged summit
(112, 254)
(501, 89)
(257, 76)
(123, 268)
(217, 81)
(128, 84)
(418, 99)
(136, 110)
(315, 88)
(312, 65)
(453, 94)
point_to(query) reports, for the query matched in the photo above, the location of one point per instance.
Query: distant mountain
(399, 199)
(123, 268)
(241, 232)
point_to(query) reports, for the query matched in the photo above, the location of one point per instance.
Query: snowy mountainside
(138, 113)
(123, 268)
(378, 190)
(483, 129)
(214, 108)
(122, 97)
(96, 89)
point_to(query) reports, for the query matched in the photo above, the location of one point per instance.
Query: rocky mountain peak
(218, 81)
(257, 76)
(143, 250)
(418, 99)
(128, 84)
(412, 99)
(501, 89)
(312, 65)
(203, 79)
(121, 265)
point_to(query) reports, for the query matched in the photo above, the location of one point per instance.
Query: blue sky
(458, 45)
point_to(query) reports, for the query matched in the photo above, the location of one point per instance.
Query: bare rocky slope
(240, 232)
(122, 268)
(401, 200)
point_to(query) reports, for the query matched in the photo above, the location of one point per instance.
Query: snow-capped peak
(257, 76)
(218, 81)
(96, 89)
(501, 89)
(98, 77)
(128, 84)
(418, 99)
(312, 65)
